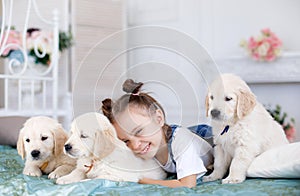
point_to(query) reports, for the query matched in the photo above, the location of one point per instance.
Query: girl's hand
(188, 181)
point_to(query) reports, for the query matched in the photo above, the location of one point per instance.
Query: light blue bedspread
(13, 182)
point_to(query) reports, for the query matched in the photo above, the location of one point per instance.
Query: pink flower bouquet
(14, 38)
(38, 44)
(265, 47)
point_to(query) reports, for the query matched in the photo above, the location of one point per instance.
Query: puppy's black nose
(68, 147)
(215, 113)
(35, 153)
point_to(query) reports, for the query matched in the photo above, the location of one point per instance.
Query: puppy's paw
(60, 171)
(230, 180)
(55, 174)
(210, 178)
(68, 179)
(64, 180)
(32, 172)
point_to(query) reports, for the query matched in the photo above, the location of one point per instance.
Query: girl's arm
(188, 181)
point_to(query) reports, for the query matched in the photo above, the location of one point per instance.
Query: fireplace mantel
(285, 69)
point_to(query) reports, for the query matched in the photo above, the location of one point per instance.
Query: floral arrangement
(288, 127)
(35, 37)
(265, 47)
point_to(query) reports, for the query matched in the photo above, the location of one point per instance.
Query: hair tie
(135, 94)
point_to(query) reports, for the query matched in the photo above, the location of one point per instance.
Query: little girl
(140, 122)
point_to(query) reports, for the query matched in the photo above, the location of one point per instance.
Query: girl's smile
(146, 149)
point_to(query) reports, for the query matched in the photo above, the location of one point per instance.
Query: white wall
(168, 75)
(94, 72)
(220, 25)
(229, 21)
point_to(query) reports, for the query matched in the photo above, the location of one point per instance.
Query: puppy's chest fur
(237, 135)
(111, 167)
(49, 165)
(46, 166)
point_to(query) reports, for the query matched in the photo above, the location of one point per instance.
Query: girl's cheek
(131, 146)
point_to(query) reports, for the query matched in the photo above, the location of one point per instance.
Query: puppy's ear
(104, 143)
(206, 104)
(245, 104)
(60, 137)
(20, 144)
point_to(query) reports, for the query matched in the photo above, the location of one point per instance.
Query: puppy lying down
(100, 154)
(41, 141)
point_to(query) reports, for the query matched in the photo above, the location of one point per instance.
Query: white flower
(42, 40)
(263, 49)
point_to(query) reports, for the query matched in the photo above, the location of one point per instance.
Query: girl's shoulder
(187, 144)
(201, 130)
(184, 138)
(180, 130)
(183, 135)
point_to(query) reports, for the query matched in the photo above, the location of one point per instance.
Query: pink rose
(290, 133)
(266, 31)
(252, 44)
(14, 37)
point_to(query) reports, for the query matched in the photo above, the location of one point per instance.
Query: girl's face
(141, 131)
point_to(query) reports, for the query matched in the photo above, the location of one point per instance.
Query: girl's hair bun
(130, 86)
(107, 105)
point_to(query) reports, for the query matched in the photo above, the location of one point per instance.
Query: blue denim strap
(173, 127)
(202, 130)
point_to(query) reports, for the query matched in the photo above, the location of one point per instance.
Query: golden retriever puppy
(101, 154)
(242, 128)
(41, 141)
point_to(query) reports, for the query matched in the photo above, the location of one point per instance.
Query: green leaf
(65, 40)
(281, 118)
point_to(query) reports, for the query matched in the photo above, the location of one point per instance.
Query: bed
(13, 182)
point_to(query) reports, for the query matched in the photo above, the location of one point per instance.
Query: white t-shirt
(191, 153)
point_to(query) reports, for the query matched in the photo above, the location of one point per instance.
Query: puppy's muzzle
(215, 113)
(35, 153)
(68, 147)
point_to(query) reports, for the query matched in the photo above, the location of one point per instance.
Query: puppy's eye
(27, 140)
(211, 97)
(83, 136)
(44, 138)
(228, 98)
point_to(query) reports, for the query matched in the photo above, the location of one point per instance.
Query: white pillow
(281, 162)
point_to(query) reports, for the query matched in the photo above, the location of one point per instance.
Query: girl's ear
(159, 117)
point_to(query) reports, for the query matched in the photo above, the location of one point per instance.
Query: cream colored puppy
(41, 142)
(101, 154)
(242, 128)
